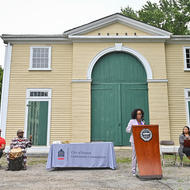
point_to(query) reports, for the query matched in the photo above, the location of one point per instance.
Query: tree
(1, 80)
(170, 15)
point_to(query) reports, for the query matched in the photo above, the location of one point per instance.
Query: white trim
(186, 93)
(48, 39)
(178, 39)
(123, 49)
(38, 90)
(49, 58)
(40, 69)
(118, 46)
(118, 37)
(81, 80)
(157, 80)
(5, 89)
(184, 57)
(35, 42)
(114, 40)
(113, 19)
(49, 111)
(187, 99)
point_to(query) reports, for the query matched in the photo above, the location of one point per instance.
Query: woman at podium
(136, 119)
(185, 136)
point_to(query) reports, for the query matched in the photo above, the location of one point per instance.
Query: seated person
(21, 142)
(2, 144)
(184, 150)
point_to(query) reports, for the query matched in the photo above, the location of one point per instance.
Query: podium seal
(146, 135)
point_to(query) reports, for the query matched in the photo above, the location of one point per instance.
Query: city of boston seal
(146, 135)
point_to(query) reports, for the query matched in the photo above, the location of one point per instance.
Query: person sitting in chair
(21, 142)
(184, 150)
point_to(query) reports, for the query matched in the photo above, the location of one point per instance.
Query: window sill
(39, 69)
(188, 70)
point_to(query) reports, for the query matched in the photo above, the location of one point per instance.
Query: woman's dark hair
(184, 128)
(134, 113)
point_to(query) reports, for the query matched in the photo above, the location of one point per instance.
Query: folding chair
(168, 148)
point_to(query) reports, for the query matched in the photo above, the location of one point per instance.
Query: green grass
(171, 158)
(180, 180)
(30, 160)
(42, 160)
(167, 158)
(123, 160)
(36, 161)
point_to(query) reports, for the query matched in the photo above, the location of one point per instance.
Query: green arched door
(119, 85)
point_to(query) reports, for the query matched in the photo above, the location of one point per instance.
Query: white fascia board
(142, 26)
(43, 40)
(180, 36)
(179, 39)
(5, 89)
(117, 18)
(8, 38)
(118, 37)
(90, 26)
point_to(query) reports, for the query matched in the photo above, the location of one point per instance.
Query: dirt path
(38, 178)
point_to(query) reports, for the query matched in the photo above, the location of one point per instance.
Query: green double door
(119, 85)
(37, 122)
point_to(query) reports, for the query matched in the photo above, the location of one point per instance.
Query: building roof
(78, 33)
(117, 17)
(13, 38)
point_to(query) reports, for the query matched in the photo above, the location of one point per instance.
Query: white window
(187, 99)
(38, 115)
(39, 93)
(187, 58)
(40, 58)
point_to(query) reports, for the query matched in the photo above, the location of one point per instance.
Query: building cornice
(57, 38)
(118, 37)
(178, 39)
(117, 17)
(63, 39)
(79, 38)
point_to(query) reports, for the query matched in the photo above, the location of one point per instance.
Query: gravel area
(38, 178)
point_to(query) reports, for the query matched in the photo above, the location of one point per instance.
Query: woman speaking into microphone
(137, 119)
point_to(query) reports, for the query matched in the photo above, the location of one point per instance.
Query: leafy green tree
(170, 15)
(1, 80)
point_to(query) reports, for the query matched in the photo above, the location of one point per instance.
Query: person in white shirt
(137, 119)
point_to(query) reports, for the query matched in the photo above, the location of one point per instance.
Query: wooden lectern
(146, 140)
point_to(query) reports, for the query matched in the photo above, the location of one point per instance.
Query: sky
(55, 16)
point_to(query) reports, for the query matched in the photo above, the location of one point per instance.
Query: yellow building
(82, 85)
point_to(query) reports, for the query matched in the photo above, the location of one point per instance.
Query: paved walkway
(38, 178)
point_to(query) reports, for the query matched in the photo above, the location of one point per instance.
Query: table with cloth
(84, 155)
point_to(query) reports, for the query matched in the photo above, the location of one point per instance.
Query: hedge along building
(82, 85)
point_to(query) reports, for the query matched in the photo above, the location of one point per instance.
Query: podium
(146, 140)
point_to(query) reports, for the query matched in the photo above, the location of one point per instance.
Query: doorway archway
(119, 85)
